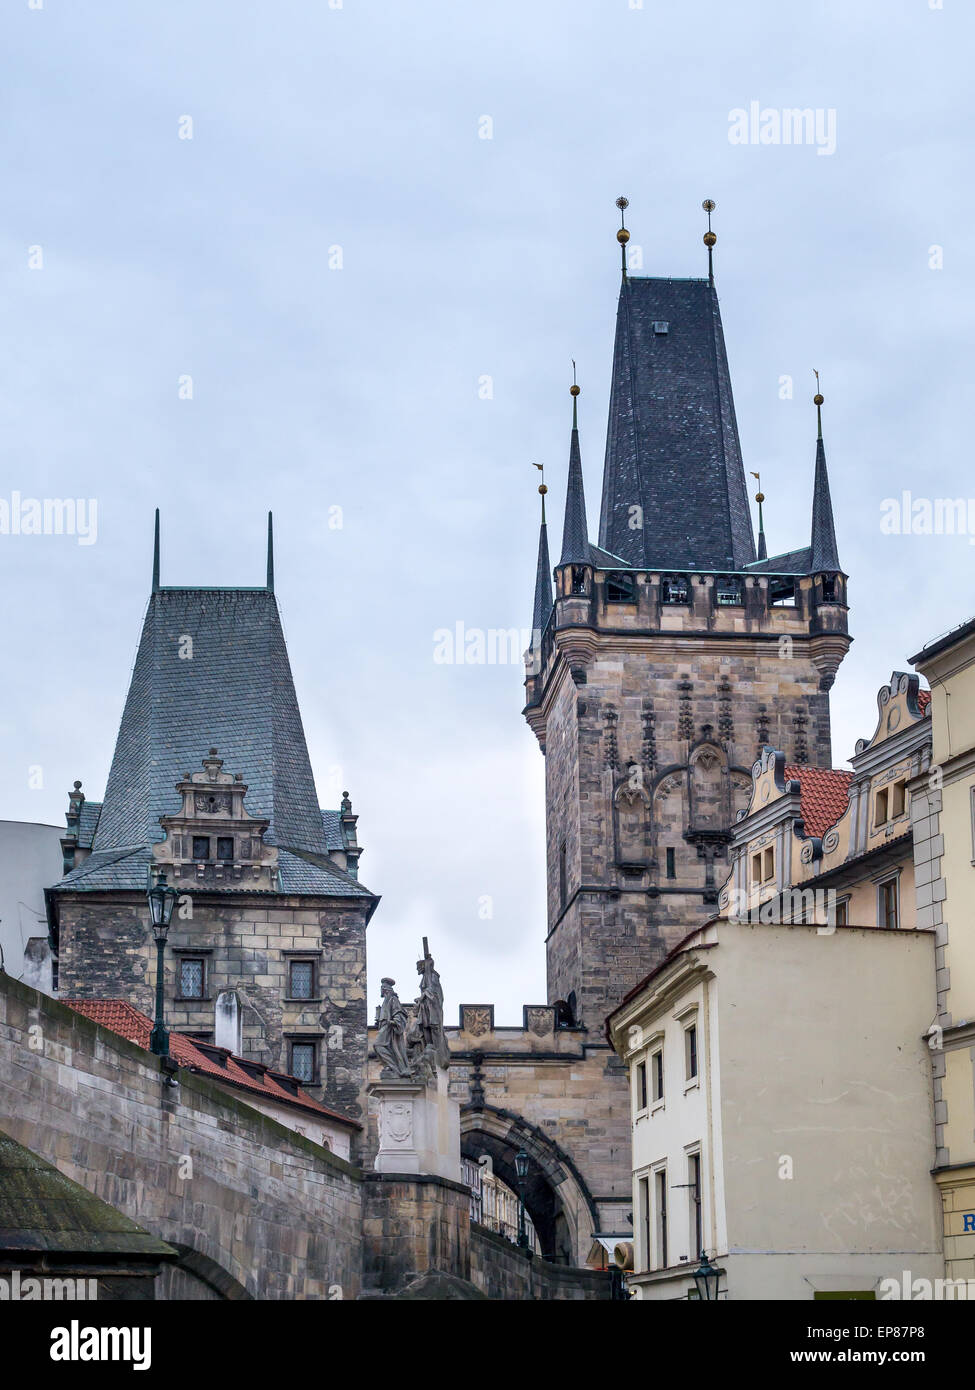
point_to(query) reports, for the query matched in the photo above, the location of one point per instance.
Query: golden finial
(760, 495)
(709, 237)
(623, 236)
(818, 403)
(542, 489)
(574, 390)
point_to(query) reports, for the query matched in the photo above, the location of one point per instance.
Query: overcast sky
(338, 258)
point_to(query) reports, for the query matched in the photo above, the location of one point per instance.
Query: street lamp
(706, 1278)
(521, 1169)
(162, 900)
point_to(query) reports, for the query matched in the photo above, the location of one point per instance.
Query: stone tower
(670, 653)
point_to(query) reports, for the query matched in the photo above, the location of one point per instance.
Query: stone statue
(391, 1020)
(429, 1010)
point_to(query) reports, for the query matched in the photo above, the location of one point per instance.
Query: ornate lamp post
(706, 1277)
(521, 1168)
(162, 900)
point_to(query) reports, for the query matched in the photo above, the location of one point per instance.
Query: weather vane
(542, 489)
(623, 236)
(709, 237)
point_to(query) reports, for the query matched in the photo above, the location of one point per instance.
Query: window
(690, 1052)
(225, 848)
(643, 1196)
(768, 865)
(657, 1074)
(578, 579)
(641, 1085)
(888, 903)
(880, 808)
(192, 977)
(898, 798)
(620, 588)
(563, 874)
(695, 1210)
(841, 913)
(303, 1060)
(728, 592)
(782, 593)
(829, 590)
(301, 979)
(671, 863)
(660, 1181)
(201, 846)
(757, 867)
(673, 589)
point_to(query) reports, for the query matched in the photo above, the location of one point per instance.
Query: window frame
(691, 1053)
(198, 840)
(313, 992)
(315, 1044)
(641, 1089)
(884, 886)
(193, 958)
(657, 1077)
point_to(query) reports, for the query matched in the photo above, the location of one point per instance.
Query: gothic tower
(670, 654)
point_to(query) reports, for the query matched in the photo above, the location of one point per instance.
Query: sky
(335, 260)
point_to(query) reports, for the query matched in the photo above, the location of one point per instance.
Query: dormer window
(225, 849)
(201, 847)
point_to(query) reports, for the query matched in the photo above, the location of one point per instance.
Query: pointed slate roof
(543, 583)
(231, 689)
(575, 530)
(824, 554)
(672, 444)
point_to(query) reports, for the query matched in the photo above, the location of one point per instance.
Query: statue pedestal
(419, 1127)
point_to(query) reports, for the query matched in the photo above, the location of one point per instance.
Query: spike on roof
(543, 585)
(672, 446)
(823, 551)
(575, 531)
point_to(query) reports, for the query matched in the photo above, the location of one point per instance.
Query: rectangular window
(880, 808)
(757, 867)
(644, 1199)
(660, 1179)
(201, 846)
(225, 848)
(897, 799)
(657, 1074)
(769, 863)
(192, 978)
(301, 981)
(842, 914)
(690, 1052)
(695, 1210)
(303, 1060)
(641, 1085)
(888, 903)
(671, 863)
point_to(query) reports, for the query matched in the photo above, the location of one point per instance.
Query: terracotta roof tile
(124, 1018)
(822, 795)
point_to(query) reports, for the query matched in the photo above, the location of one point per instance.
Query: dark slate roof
(672, 443)
(88, 822)
(332, 826)
(41, 1210)
(128, 870)
(542, 609)
(575, 531)
(236, 693)
(792, 562)
(825, 555)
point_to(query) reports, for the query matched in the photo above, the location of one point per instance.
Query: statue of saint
(391, 1020)
(429, 1010)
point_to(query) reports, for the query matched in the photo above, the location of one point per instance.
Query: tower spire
(575, 532)
(760, 498)
(623, 236)
(542, 608)
(709, 237)
(155, 554)
(270, 552)
(824, 553)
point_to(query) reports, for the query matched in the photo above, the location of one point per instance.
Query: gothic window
(710, 808)
(632, 801)
(673, 589)
(201, 846)
(829, 590)
(192, 978)
(578, 579)
(671, 862)
(301, 979)
(303, 1060)
(728, 592)
(225, 848)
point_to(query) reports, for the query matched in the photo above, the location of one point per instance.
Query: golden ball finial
(818, 399)
(574, 389)
(760, 497)
(622, 236)
(542, 489)
(709, 238)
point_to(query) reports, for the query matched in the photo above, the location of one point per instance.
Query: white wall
(30, 861)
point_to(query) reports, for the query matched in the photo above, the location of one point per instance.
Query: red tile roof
(822, 795)
(923, 700)
(123, 1018)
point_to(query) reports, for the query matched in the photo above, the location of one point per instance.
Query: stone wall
(501, 1270)
(413, 1227)
(255, 1209)
(246, 941)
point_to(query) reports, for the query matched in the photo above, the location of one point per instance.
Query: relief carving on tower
(726, 723)
(212, 841)
(631, 807)
(610, 749)
(649, 737)
(685, 716)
